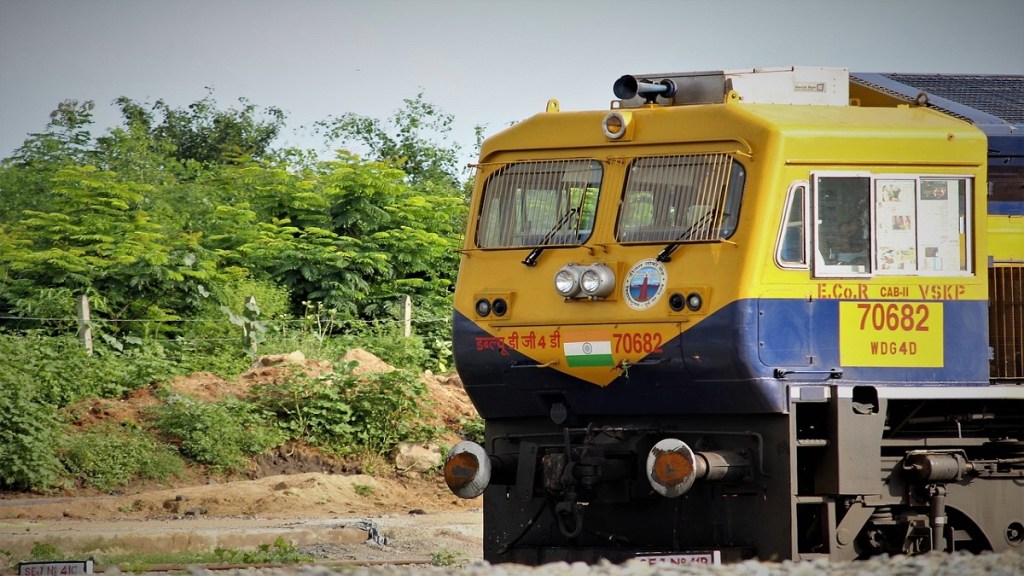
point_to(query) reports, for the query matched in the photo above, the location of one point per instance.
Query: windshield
(686, 198)
(529, 204)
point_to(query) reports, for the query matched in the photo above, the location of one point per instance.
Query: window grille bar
(544, 203)
(675, 198)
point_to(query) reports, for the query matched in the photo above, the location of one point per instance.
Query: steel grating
(1000, 95)
(1006, 322)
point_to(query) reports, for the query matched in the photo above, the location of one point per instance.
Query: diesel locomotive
(759, 313)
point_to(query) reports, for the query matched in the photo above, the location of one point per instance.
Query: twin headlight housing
(584, 281)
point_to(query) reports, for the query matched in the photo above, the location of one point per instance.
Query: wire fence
(318, 326)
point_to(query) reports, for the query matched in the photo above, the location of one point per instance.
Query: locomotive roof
(992, 102)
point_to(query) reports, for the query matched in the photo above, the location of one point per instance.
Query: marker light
(499, 306)
(672, 467)
(597, 281)
(675, 302)
(567, 281)
(694, 302)
(483, 307)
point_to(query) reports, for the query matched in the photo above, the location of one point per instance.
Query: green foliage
(61, 373)
(221, 435)
(110, 456)
(179, 213)
(387, 342)
(364, 490)
(389, 408)
(319, 321)
(445, 557)
(29, 429)
(346, 413)
(205, 134)
(254, 330)
(44, 552)
(472, 429)
(406, 139)
(315, 409)
(281, 552)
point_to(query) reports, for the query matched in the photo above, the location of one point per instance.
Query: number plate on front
(705, 558)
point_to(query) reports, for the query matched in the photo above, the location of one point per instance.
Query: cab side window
(791, 247)
(900, 224)
(842, 231)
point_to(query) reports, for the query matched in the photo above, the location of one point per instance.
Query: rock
(412, 459)
(296, 357)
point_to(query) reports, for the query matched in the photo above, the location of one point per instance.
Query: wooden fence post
(407, 315)
(84, 329)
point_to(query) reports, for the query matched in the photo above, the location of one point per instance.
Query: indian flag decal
(586, 353)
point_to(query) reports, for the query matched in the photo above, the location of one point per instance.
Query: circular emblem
(644, 284)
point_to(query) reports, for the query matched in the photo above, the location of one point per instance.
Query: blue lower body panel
(741, 359)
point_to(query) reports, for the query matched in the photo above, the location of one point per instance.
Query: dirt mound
(290, 480)
(449, 400)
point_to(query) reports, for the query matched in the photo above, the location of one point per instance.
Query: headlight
(592, 281)
(617, 125)
(597, 281)
(567, 281)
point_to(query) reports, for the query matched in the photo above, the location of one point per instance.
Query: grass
(280, 552)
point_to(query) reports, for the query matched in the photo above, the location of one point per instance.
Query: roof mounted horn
(627, 87)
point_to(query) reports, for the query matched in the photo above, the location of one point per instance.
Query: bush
(472, 429)
(63, 373)
(29, 429)
(389, 344)
(108, 456)
(389, 408)
(314, 409)
(223, 358)
(349, 414)
(221, 435)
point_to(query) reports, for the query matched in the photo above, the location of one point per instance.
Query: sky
(487, 63)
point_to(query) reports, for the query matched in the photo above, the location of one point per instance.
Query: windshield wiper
(666, 253)
(531, 258)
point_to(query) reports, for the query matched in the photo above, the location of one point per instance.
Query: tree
(25, 175)
(96, 239)
(205, 134)
(407, 140)
(166, 215)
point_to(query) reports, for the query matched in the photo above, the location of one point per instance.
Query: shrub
(107, 456)
(29, 429)
(314, 409)
(472, 429)
(389, 344)
(221, 435)
(63, 373)
(389, 408)
(348, 414)
(281, 552)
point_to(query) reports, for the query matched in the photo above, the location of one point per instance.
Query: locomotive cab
(733, 316)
